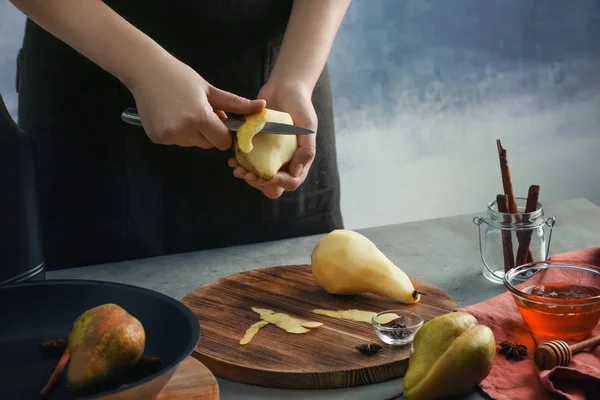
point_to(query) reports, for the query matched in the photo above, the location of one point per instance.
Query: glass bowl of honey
(556, 300)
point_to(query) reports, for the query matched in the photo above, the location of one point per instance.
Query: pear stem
(57, 373)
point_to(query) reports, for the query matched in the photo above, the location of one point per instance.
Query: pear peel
(253, 124)
(285, 322)
(357, 315)
(345, 262)
(252, 331)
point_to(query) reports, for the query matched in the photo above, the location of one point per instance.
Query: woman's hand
(309, 34)
(174, 102)
(177, 106)
(295, 99)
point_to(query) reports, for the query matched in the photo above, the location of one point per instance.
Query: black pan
(30, 312)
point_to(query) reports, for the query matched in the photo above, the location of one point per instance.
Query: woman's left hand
(295, 100)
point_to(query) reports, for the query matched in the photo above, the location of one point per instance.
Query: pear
(451, 355)
(104, 342)
(346, 262)
(264, 154)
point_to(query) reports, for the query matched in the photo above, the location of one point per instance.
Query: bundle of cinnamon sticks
(507, 204)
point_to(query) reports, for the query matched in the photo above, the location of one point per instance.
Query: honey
(560, 311)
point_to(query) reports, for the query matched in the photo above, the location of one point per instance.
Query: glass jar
(509, 240)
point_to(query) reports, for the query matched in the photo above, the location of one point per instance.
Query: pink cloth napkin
(509, 379)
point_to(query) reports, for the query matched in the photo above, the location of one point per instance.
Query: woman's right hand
(175, 103)
(177, 106)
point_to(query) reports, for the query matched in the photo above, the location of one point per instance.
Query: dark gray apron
(107, 193)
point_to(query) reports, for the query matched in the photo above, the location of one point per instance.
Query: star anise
(513, 351)
(369, 348)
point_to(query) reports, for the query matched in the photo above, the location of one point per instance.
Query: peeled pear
(104, 342)
(263, 153)
(451, 355)
(346, 262)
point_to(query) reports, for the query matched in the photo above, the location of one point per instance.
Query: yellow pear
(264, 153)
(346, 262)
(451, 354)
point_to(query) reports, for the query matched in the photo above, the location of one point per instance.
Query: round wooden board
(192, 380)
(324, 358)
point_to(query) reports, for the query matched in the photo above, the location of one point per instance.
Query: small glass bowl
(409, 322)
(552, 302)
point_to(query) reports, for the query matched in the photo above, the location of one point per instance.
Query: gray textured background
(424, 87)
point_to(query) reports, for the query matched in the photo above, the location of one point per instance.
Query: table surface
(442, 251)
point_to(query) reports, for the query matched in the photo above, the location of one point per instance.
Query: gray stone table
(442, 251)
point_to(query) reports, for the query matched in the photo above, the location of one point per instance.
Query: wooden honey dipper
(557, 352)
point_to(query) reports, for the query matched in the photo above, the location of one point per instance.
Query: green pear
(104, 342)
(451, 355)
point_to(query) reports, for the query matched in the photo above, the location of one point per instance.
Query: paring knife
(131, 116)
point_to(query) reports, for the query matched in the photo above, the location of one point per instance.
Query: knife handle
(132, 117)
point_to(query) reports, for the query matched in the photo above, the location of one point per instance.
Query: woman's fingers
(212, 129)
(201, 141)
(190, 137)
(271, 188)
(272, 192)
(184, 143)
(230, 102)
(220, 113)
(251, 178)
(239, 172)
(304, 157)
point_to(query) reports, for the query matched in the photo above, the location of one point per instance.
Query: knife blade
(132, 117)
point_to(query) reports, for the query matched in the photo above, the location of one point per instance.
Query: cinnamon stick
(509, 191)
(524, 251)
(506, 180)
(57, 373)
(507, 248)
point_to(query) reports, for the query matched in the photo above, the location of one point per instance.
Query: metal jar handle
(550, 222)
(479, 220)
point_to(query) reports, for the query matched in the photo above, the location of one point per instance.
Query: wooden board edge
(295, 380)
(211, 389)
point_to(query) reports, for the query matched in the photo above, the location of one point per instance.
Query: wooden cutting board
(324, 358)
(192, 380)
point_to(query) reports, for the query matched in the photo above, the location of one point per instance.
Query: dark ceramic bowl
(30, 312)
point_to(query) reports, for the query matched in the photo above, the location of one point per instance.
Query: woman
(110, 191)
